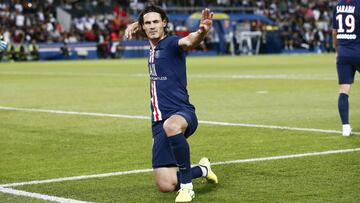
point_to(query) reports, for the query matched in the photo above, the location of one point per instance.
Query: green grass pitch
(296, 91)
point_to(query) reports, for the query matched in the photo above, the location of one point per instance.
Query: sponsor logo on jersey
(346, 36)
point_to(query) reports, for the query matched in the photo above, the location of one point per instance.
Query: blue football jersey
(168, 83)
(346, 21)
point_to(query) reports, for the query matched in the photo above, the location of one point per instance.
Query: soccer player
(173, 117)
(346, 36)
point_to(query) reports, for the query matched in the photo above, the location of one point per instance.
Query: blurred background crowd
(300, 24)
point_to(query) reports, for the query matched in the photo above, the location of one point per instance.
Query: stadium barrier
(90, 50)
(119, 49)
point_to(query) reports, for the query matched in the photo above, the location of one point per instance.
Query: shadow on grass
(204, 187)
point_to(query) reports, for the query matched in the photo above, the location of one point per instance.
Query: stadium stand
(37, 29)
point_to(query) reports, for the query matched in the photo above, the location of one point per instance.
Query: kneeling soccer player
(173, 117)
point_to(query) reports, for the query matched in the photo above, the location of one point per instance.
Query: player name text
(345, 9)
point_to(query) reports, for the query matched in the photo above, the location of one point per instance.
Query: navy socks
(343, 105)
(181, 150)
(196, 172)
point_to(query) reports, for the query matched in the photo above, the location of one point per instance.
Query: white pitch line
(287, 156)
(66, 74)
(148, 118)
(73, 113)
(282, 77)
(149, 170)
(275, 127)
(39, 196)
(76, 178)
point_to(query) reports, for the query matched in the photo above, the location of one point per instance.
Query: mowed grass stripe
(148, 118)
(198, 76)
(149, 170)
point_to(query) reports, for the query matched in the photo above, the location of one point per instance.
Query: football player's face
(154, 26)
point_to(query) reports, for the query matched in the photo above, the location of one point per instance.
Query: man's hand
(3, 44)
(206, 20)
(195, 38)
(131, 29)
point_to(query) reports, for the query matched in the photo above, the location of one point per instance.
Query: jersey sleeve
(174, 45)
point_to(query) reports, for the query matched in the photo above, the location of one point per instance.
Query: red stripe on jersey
(151, 57)
(154, 101)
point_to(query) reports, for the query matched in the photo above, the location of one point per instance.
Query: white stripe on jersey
(151, 57)
(154, 99)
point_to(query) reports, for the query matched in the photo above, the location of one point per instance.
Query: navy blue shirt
(168, 83)
(346, 21)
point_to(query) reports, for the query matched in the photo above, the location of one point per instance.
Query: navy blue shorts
(346, 68)
(162, 155)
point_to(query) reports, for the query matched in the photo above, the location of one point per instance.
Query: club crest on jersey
(152, 69)
(157, 53)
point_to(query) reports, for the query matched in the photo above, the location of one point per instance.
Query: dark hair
(156, 9)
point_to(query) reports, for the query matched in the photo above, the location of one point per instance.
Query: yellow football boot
(185, 195)
(210, 176)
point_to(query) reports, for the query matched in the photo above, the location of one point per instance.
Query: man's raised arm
(194, 38)
(132, 29)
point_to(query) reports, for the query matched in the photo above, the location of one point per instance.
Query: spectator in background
(22, 53)
(70, 37)
(3, 47)
(328, 42)
(12, 53)
(286, 35)
(65, 51)
(20, 19)
(181, 31)
(89, 35)
(214, 40)
(34, 51)
(102, 45)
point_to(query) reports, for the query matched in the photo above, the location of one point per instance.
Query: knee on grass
(165, 186)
